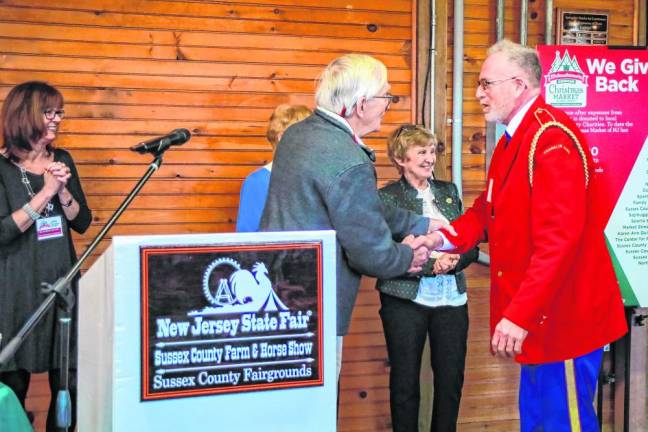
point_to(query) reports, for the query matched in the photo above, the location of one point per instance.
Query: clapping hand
(52, 185)
(60, 171)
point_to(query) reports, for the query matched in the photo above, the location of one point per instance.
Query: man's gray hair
(524, 57)
(347, 79)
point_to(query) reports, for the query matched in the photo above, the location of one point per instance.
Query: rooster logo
(243, 291)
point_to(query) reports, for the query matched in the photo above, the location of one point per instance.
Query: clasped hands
(56, 177)
(424, 244)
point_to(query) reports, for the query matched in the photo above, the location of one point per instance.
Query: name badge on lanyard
(49, 228)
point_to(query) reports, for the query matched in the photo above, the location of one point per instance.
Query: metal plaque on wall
(581, 27)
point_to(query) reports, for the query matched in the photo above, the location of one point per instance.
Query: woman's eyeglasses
(50, 113)
(405, 128)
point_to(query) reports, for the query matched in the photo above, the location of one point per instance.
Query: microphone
(161, 144)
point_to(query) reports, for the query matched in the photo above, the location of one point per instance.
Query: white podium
(209, 332)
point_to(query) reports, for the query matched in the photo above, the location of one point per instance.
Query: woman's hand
(445, 263)
(60, 171)
(62, 174)
(52, 184)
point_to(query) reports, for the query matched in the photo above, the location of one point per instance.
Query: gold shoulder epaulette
(547, 120)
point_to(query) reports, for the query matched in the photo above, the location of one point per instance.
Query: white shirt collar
(517, 118)
(342, 121)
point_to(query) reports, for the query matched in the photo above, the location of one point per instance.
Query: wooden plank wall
(131, 70)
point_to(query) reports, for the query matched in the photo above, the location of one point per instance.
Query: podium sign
(229, 330)
(214, 322)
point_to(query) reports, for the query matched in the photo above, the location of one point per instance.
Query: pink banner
(605, 91)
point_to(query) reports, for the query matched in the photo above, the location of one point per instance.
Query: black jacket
(401, 194)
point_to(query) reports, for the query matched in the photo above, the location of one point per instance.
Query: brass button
(499, 273)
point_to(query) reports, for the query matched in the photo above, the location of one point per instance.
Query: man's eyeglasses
(50, 113)
(391, 99)
(486, 84)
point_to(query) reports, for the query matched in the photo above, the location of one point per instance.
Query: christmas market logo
(231, 289)
(566, 83)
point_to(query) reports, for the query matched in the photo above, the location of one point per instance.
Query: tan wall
(132, 70)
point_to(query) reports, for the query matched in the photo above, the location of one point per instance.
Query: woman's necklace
(30, 191)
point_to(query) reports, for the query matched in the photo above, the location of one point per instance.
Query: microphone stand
(61, 292)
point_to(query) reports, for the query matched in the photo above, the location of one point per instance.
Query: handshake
(424, 244)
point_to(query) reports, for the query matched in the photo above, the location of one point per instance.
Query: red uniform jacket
(550, 270)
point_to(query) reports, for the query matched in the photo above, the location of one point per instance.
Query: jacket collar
(340, 123)
(505, 156)
(338, 120)
(444, 202)
(519, 116)
(408, 190)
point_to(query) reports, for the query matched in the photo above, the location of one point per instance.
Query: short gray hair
(347, 79)
(524, 57)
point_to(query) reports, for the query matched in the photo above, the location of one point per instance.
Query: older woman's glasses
(405, 128)
(390, 97)
(50, 113)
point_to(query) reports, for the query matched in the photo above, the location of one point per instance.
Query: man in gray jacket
(323, 178)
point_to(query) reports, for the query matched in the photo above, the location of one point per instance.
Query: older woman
(255, 187)
(432, 304)
(40, 200)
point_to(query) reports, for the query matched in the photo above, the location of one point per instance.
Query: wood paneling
(133, 70)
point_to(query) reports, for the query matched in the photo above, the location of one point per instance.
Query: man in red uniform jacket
(555, 301)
